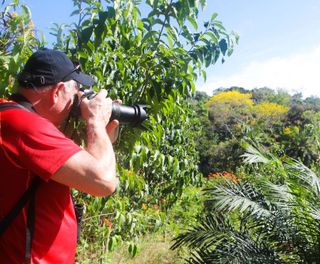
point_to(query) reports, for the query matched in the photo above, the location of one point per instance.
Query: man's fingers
(113, 130)
(103, 93)
(112, 125)
(118, 101)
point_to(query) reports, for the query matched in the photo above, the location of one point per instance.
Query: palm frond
(270, 163)
(211, 230)
(237, 248)
(280, 195)
(272, 216)
(315, 213)
(253, 155)
(235, 196)
(224, 244)
(310, 179)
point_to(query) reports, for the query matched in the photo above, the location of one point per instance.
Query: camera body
(133, 115)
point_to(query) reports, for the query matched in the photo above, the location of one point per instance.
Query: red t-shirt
(31, 145)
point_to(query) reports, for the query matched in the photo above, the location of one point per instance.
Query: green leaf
(112, 243)
(203, 3)
(204, 74)
(86, 34)
(26, 10)
(212, 37)
(213, 17)
(223, 46)
(172, 31)
(193, 22)
(148, 38)
(132, 249)
(75, 12)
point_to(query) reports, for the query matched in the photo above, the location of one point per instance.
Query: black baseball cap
(47, 67)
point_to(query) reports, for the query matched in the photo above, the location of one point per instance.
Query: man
(31, 145)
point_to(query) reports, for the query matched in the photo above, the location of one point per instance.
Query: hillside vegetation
(227, 178)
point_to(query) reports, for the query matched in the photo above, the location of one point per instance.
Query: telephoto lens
(133, 115)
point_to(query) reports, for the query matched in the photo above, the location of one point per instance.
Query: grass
(152, 249)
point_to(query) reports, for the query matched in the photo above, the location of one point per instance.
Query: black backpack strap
(6, 221)
(20, 102)
(28, 195)
(9, 105)
(31, 222)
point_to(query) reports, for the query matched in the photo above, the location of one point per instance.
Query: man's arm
(93, 170)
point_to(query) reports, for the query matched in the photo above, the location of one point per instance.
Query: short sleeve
(38, 145)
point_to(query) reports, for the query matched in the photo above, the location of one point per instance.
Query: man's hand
(113, 126)
(98, 110)
(113, 130)
(93, 170)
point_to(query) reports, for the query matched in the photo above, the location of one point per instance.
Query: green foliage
(165, 155)
(153, 58)
(228, 111)
(147, 58)
(313, 101)
(285, 124)
(270, 112)
(144, 58)
(271, 216)
(280, 97)
(302, 142)
(163, 165)
(186, 211)
(17, 41)
(215, 240)
(118, 220)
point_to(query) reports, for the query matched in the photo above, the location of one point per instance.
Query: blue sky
(279, 43)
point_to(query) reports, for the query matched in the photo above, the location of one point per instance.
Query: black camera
(133, 115)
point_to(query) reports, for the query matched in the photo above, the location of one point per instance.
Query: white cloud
(297, 73)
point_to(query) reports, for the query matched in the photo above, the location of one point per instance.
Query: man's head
(46, 67)
(49, 81)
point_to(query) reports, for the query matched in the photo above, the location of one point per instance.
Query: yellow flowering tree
(235, 114)
(269, 112)
(228, 110)
(231, 98)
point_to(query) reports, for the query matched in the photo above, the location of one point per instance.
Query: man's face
(66, 98)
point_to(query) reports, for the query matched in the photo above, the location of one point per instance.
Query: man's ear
(56, 92)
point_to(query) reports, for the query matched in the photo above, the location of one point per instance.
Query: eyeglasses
(76, 69)
(80, 87)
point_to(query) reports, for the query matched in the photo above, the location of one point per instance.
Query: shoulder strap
(28, 195)
(17, 101)
(10, 105)
(31, 221)
(6, 221)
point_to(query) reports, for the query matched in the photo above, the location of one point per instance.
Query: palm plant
(272, 215)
